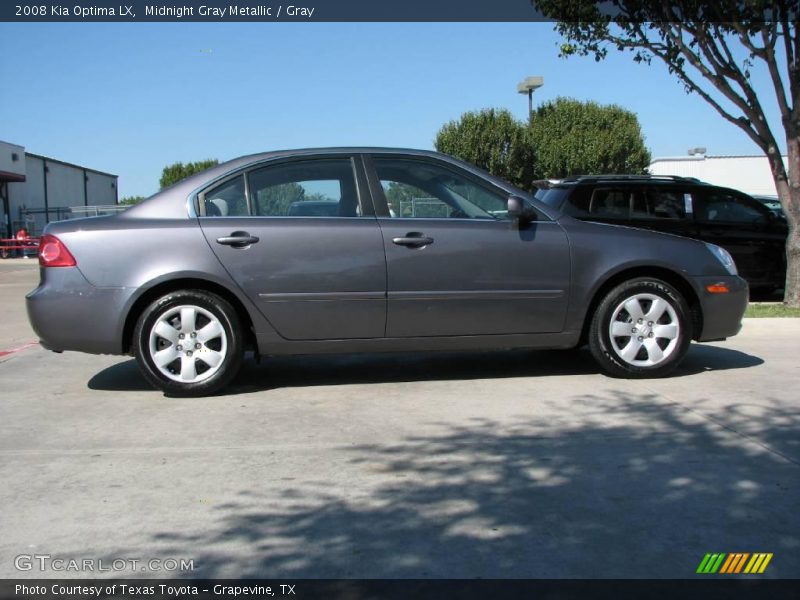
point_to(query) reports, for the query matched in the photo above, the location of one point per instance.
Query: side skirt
(562, 340)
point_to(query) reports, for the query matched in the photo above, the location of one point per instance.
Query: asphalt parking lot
(505, 464)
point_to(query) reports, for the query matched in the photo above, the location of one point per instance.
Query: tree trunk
(789, 194)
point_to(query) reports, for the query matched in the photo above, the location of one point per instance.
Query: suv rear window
(611, 203)
(603, 202)
(661, 204)
(621, 202)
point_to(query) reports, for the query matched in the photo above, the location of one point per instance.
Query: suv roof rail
(594, 178)
(546, 183)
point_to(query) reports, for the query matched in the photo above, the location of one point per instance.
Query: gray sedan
(400, 250)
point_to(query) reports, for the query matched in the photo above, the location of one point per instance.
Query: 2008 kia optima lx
(399, 250)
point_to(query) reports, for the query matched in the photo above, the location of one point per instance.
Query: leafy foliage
(131, 200)
(178, 171)
(580, 138)
(565, 137)
(275, 200)
(494, 140)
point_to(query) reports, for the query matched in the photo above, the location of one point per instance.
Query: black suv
(753, 234)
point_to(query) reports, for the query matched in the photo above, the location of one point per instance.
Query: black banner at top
(302, 11)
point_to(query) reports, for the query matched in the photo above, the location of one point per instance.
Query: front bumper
(722, 312)
(69, 313)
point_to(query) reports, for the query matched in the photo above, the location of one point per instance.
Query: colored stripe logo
(735, 562)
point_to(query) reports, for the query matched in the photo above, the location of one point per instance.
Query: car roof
(262, 156)
(171, 202)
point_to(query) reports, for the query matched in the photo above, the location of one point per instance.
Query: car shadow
(638, 493)
(305, 371)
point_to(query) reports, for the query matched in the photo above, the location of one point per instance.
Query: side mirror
(516, 207)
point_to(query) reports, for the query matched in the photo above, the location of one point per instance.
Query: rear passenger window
(226, 200)
(311, 188)
(610, 203)
(661, 204)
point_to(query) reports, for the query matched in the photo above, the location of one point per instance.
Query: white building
(749, 174)
(35, 190)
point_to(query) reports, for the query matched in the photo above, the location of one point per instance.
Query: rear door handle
(413, 239)
(238, 239)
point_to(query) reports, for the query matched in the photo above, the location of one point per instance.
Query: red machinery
(22, 244)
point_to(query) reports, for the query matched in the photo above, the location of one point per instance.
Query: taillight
(53, 253)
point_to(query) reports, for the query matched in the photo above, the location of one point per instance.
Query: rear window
(602, 202)
(611, 203)
(662, 204)
(552, 197)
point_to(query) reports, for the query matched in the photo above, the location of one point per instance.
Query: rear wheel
(189, 343)
(641, 329)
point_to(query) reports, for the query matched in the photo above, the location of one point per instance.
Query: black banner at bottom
(395, 589)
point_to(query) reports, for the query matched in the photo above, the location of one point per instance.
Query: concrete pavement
(506, 464)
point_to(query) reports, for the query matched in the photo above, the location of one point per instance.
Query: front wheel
(641, 329)
(189, 343)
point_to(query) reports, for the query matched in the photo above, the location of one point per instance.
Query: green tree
(131, 200)
(178, 171)
(494, 140)
(717, 49)
(276, 199)
(581, 138)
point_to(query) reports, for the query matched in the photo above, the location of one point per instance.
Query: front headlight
(724, 257)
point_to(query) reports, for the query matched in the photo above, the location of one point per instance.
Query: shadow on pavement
(644, 492)
(303, 371)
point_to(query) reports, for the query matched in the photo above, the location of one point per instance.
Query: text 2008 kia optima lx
(399, 250)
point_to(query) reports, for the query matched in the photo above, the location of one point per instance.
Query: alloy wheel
(188, 344)
(644, 330)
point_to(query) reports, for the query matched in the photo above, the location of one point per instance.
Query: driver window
(421, 190)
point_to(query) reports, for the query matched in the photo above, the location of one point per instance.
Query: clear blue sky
(131, 98)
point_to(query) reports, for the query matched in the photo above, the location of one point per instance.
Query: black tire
(208, 308)
(636, 356)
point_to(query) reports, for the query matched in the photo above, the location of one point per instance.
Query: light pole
(527, 86)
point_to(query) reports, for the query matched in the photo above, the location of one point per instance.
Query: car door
(314, 274)
(457, 264)
(747, 230)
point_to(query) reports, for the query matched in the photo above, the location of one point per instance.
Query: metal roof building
(749, 174)
(35, 190)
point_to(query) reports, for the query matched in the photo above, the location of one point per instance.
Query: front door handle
(413, 239)
(238, 239)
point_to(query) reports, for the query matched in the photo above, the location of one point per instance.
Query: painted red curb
(18, 349)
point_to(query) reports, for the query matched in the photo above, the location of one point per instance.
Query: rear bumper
(69, 313)
(722, 313)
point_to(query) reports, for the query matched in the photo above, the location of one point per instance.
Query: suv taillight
(53, 253)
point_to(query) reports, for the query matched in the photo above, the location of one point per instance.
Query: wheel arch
(666, 275)
(186, 283)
